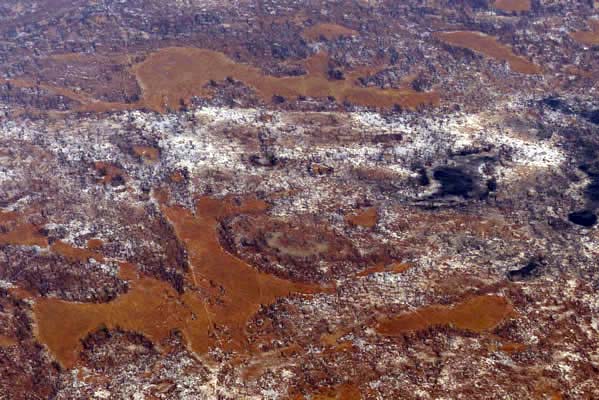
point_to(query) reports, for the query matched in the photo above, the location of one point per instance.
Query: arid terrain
(299, 200)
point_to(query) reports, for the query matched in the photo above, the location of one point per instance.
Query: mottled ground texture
(299, 199)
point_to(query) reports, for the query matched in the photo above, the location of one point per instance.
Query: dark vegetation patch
(556, 104)
(592, 116)
(552, 102)
(591, 168)
(454, 181)
(389, 138)
(335, 74)
(423, 179)
(592, 190)
(264, 160)
(585, 218)
(526, 271)
(472, 4)
(468, 151)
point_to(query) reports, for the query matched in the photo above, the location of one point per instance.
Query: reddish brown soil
(299, 244)
(75, 253)
(395, 268)
(177, 177)
(341, 392)
(94, 244)
(96, 106)
(449, 221)
(365, 218)
(6, 341)
(512, 5)
(86, 102)
(147, 153)
(477, 314)
(590, 38)
(328, 31)
(345, 391)
(512, 347)
(101, 76)
(244, 288)
(109, 173)
(172, 75)
(61, 325)
(25, 83)
(235, 292)
(17, 231)
(490, 47)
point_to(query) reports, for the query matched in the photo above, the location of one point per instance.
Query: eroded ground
(290, 200)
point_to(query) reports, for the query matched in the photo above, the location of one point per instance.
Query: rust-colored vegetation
(512, 5)
(477, 314)
(328, 31)
(170, 76)
(232, 291)
(490, 47)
